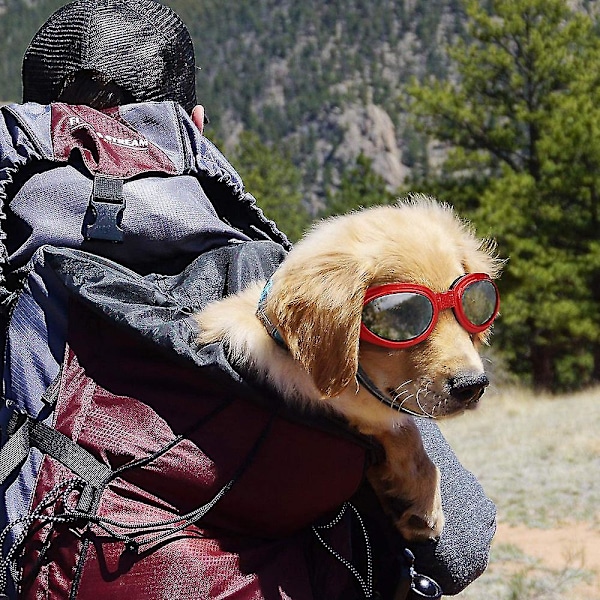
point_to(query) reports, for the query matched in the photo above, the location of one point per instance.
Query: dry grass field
(538, 458)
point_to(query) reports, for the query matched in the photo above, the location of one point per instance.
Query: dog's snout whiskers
(402, 396)
(424, 397)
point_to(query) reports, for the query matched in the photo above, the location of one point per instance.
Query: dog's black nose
(468, 388)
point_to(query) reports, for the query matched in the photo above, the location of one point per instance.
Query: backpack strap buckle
(107, 204)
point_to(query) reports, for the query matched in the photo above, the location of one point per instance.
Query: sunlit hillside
(299, 74)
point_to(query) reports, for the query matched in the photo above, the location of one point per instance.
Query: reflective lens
(479, 301)
(398, 317)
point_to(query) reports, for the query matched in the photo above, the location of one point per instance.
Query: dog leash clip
(421, 586)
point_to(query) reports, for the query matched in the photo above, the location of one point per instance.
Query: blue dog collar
(264, 318)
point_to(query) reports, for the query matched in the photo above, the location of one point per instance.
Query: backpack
(134, 464)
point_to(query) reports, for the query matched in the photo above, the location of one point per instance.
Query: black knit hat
(143, 46)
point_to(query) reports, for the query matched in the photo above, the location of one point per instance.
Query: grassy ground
(538, 458)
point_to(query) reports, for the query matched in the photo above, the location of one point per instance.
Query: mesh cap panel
(141, 45)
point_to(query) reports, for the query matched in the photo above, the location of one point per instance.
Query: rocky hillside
(322, 79)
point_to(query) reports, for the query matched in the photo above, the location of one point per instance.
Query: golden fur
(316, 303)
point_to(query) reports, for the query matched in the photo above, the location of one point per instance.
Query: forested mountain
(320, 79)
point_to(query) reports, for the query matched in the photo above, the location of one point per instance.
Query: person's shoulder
(28, 111)
(30, 123)
(154, 113)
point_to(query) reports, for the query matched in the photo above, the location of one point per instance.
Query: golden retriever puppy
(377, 315)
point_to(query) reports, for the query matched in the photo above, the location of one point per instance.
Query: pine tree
(275, 182)
(521, 119)
(360, 187)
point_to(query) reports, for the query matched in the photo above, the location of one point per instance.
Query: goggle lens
(399, 317)
(479, 302)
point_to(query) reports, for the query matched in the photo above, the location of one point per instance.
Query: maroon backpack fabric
(133, 468)
(124, 401)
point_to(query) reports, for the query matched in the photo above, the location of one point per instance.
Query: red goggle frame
(400, 315)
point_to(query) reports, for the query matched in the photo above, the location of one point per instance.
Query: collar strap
(264, 318)
(368, 384)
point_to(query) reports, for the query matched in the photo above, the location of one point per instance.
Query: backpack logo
(129, 142)
(107, 144)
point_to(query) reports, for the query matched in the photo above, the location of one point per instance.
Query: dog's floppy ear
(317, 310)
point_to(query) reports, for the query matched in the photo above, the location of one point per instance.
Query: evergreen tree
(274, 181)
(521, 118)
(359, 187)
(18, 23)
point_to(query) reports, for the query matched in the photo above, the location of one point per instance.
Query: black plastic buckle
(107, 205)
(17, 418)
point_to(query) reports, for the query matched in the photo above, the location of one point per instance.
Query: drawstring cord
(9, 561)
(155, 532)
(420, 586)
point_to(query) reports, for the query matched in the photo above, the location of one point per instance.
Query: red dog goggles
(400, 315)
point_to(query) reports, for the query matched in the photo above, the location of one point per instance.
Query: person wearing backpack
(133, 466)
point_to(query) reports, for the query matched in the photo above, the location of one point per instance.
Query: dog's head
(317, 295)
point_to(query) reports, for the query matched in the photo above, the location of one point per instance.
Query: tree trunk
(542, 368)
(596, 371)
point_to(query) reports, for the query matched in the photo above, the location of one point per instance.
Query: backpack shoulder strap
(25, 433)
(24, 138)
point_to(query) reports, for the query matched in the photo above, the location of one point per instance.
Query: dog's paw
(408, 485)
(422, 521)
(422, 518)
